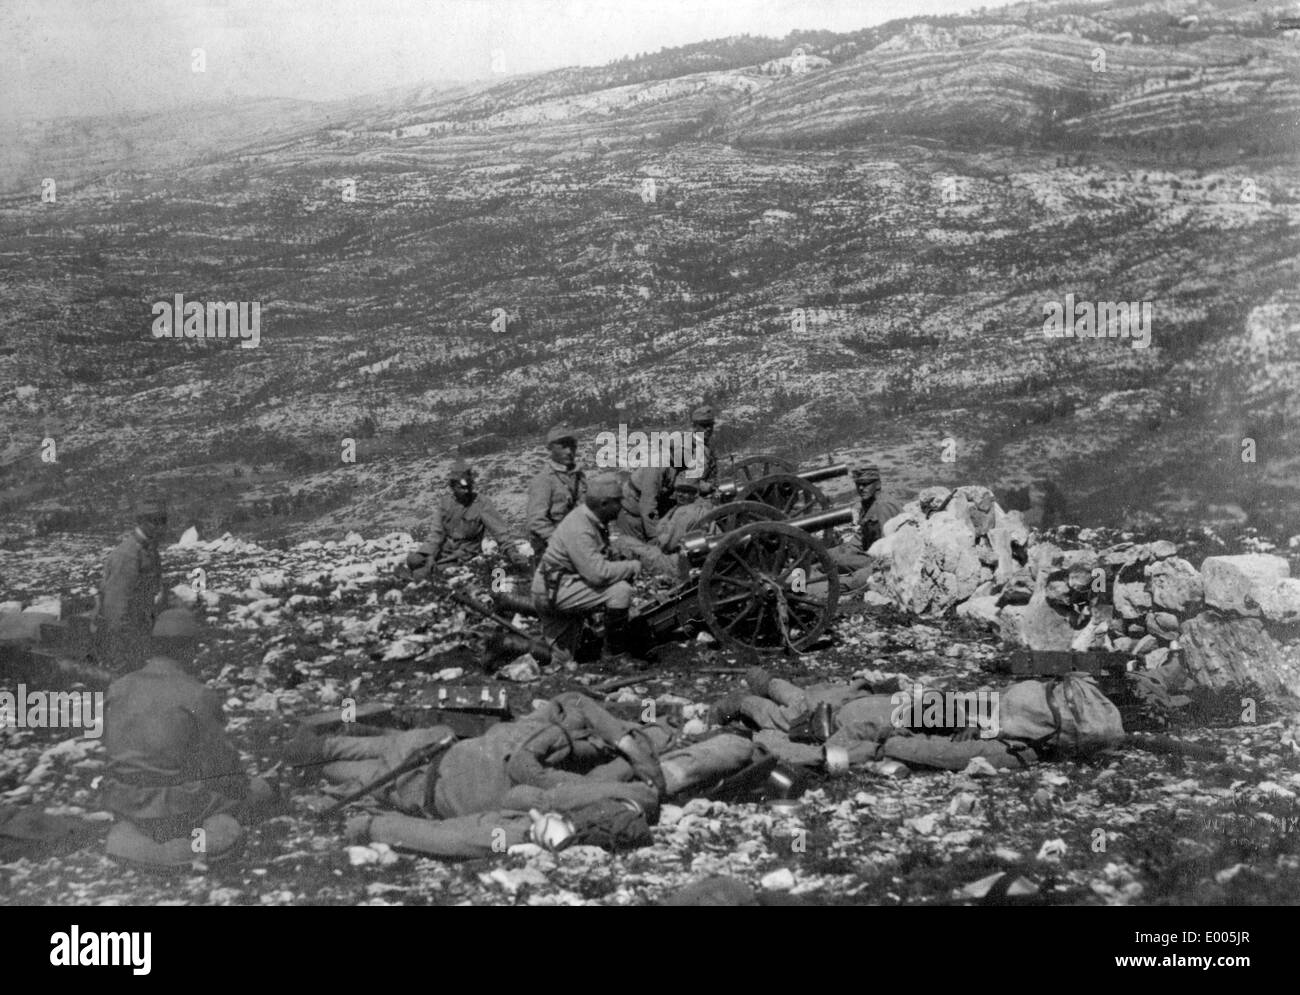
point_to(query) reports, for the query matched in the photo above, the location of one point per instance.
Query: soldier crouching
(174, 780)
(577, 574)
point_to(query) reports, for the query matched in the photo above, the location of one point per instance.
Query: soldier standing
(131, 588)
(705, 464)
(555, 491)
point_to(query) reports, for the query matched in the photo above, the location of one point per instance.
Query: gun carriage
(767, 585)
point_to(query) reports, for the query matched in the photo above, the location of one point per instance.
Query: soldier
(171, 770)
(875, 509)
(485, 794)
(459, 523)
(555, 491)
(705, 468)
(576, 573)
(648, 493)
(131, 588)
(682, 518)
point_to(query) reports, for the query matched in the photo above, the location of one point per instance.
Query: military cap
(866, 472)
(685, 483)
(461, 473)
(176, 623)
(703, 415)
(152, 506)
(604, 485)
(559, 433)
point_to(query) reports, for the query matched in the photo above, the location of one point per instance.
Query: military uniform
(552, 494)
(456, 531)
(678, 523)
(170, 764)
(576, 573)
(474, 800)
(851, 554)
(647, 495)
(128, 596)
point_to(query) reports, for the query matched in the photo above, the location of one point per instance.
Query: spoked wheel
(735, 515)
(790, 495)
(753, 588)
(751, 468)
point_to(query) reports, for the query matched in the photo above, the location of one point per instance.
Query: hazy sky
(65, 57)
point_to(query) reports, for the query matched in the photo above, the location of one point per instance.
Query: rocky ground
(304, 627)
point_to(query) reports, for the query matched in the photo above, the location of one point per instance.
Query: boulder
(1175, 585)
(1156, 658)
(931, 567)
(1236, 584)
(933, 499)
(1131, 600)
(1281, 602)
(1163, 625)
(1036, 626)
(1220, 651)
(980, 609)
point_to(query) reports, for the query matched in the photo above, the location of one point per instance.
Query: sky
(87, 57)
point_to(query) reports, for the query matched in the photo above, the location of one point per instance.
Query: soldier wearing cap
(171, 770)
(459, 523)
(131, 588)
(648, 494)
(555, 491)
(705, 468)
(577, 573)
(875, 509)
(684, 517)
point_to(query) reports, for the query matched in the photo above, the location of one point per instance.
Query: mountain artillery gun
(766, 585)
(769, 489)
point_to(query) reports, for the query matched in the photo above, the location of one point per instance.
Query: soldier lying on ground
(475, 799)
(458, 526)
(849, 722)
(173, 777)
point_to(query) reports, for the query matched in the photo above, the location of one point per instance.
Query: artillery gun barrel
(700, 546)
(729, 490)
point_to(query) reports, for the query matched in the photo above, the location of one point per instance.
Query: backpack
(1068, 714)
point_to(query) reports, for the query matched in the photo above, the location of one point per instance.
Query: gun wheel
(752, 594)
(793, 496)
(735, 515)
(751, 468)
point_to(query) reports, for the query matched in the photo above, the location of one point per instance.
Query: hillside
(849, 252)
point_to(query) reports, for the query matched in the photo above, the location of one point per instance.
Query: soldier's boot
(218, 840)
(614, 653)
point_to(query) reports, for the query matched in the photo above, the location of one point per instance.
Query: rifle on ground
(539, 648)
(417, 759)
(1175, 747)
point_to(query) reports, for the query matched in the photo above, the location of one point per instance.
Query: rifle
(539, 648)
(417, 759)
